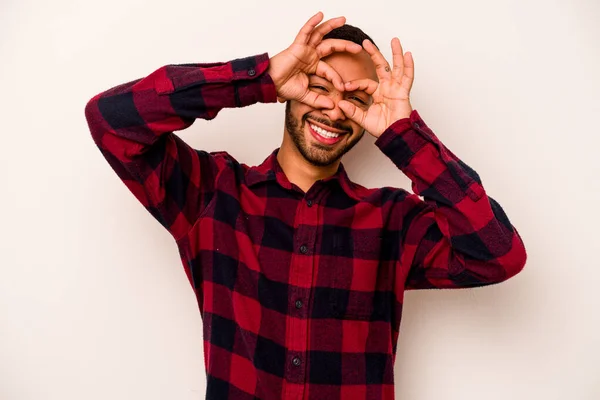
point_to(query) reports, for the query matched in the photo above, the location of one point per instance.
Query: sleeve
(132, 124)
(457, 236)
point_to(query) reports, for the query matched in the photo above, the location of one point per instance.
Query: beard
(317, 154)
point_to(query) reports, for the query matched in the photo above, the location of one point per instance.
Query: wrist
(272, 72)
(404, 112)
(276, 82)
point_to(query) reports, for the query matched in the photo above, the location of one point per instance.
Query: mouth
(325, 135)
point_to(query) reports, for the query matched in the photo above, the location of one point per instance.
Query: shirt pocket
(354, 294)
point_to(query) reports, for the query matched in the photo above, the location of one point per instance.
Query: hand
(290, 68)
(390, 96)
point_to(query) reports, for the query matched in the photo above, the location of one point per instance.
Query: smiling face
(323, 135)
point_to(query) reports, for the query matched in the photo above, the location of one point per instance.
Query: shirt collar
(270, 170)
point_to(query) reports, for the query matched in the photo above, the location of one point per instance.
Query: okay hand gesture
(290, 68)
(391, 100)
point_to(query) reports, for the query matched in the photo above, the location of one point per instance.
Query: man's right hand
(290, 68)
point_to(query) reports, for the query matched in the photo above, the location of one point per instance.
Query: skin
(306, 157)
(341, 86)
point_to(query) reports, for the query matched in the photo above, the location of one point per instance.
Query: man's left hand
(391, 100)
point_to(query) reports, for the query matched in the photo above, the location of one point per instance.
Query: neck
(298, 170)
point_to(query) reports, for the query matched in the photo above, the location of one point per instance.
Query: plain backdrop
(94, 303)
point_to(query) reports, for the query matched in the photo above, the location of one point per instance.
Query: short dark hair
(349, 32)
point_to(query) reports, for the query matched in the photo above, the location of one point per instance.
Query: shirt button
(309, 203)
(296, 361)
(298, 303)
(251, 72)
(303, 249)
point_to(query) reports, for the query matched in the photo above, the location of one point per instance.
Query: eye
(361, 101)
(318, 87)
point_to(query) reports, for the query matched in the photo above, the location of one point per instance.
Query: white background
(94, 303)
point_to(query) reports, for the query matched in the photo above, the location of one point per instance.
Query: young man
(299, 272)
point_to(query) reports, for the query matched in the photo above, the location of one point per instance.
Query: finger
(398, 59)
(368, 85)
(409, 71)
(328, 46)
(326, 71)
(316, 100)
(304, 34)
(323, 29)
(351, 111)
(381, 65)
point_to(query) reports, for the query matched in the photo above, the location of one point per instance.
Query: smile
(324, 135)
(324, 132)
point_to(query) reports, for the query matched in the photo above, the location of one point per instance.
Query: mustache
(327, 123)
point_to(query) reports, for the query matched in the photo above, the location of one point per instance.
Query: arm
(458, 236)
(132, 124)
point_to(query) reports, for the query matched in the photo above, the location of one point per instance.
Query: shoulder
(379, 194)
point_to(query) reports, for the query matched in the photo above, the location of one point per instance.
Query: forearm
(137, 113)
(132, 124)
(462, 236)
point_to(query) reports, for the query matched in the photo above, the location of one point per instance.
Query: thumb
(351, 111)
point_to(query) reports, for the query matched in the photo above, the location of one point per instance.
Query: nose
(335, 113)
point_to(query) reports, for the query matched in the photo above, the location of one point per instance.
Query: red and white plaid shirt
(300, 293)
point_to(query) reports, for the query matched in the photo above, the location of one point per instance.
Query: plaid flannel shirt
(300, 294)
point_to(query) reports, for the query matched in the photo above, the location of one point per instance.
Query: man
(299, 272)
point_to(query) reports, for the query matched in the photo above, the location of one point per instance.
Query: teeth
(323, 132)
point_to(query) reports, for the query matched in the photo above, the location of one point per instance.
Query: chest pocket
(356, 292)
